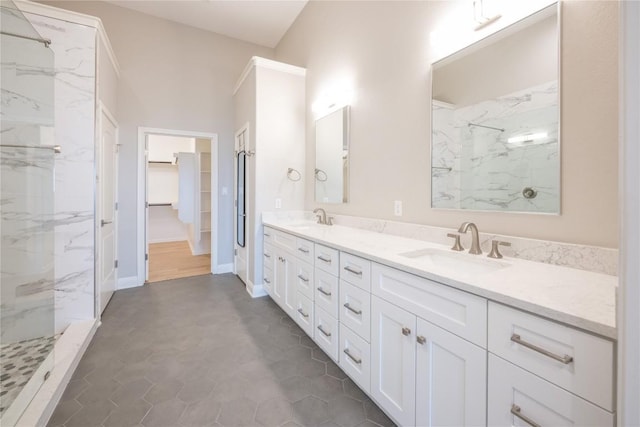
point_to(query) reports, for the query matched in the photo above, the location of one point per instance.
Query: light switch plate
(278, 203)
(397, 208)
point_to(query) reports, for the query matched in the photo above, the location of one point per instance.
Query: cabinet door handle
(303, 250)
(406, 331)
(515, 410)
(351, 309)
(325, 259)
(267, 280)
(325, 333)
(421, 339)
(301, 277)
(323, 292)
(566, 359)
(267, 256)
(351, 270)
(301, 311)
(352, 357)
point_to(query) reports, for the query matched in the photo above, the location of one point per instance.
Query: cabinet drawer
(267, 235)
(326, 292)
(284, 240)
(327, 259)
(355, 270)
(326, 333)
(519, 398)
(268, 281)
(269, 256)
(355, 309)
(455, 311)
(304, 250)
(304, 314)
(355, 358)
(304, 279)
(536, 344)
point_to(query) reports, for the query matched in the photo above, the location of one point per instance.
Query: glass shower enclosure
(27, 161)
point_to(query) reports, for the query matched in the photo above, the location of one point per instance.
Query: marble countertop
(579, 298)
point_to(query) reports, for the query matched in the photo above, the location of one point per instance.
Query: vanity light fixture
(520, 139)
(479, 16)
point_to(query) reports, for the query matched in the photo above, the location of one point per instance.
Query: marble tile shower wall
(72, 221)
(487, 172)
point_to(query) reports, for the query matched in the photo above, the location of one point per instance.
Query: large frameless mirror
(332, 157)
(495, 121)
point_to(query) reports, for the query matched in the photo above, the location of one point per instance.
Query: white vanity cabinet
(432, 355)
(422, 374)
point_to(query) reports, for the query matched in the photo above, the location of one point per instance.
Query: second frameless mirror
(332, 157)
(495, 121)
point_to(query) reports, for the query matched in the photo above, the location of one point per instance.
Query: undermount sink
(468, 264)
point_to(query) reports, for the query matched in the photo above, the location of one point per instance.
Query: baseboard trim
(67, 354)
(256, 291)
(224, 268)
(128, 282)
(168, 240)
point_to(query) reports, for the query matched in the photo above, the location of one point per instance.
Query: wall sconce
(481, 19)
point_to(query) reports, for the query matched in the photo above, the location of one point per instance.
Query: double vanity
(439, 337)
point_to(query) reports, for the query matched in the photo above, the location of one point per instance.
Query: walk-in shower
(27, 153)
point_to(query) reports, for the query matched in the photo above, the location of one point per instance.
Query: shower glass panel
(27, 160)
(242, 211)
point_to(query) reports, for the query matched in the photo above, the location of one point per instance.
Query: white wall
(382, 50)
(172, 77)
(164, 225)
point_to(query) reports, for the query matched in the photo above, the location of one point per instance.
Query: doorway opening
(179, 204)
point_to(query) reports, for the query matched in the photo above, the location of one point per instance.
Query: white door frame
(628, 302)
(143, 132)
(102, 109)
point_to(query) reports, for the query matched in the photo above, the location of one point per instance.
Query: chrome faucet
(321, 214)
(475, 239)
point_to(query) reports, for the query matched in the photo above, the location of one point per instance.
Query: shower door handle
(103, 223)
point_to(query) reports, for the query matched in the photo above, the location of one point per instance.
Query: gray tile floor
(200, 352)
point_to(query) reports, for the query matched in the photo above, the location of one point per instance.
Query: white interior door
(240, 206)
(146, 208)
(107, 185)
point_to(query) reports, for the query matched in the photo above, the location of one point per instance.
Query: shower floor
(18, 362)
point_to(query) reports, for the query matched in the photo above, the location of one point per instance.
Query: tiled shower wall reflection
(474, 167)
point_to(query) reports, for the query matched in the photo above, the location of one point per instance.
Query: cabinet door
(450, 379)
(393, 360)
(290, 300)
(278, 287)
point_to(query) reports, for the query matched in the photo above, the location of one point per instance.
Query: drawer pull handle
(267, 235)
(566, 359)
(301, 277)
(406, 331)
(302, 312)
(351, 309)
(323, 292)
(421, 339)
(303, 250)
(515, 410)
(327, 260)
(325, 333)
(267, 256)
(351, 270)
(267, 280)
(352, 357)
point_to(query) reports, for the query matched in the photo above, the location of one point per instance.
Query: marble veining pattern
(578, 298)
(589, 258)
(72, 220)
(474, 167)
